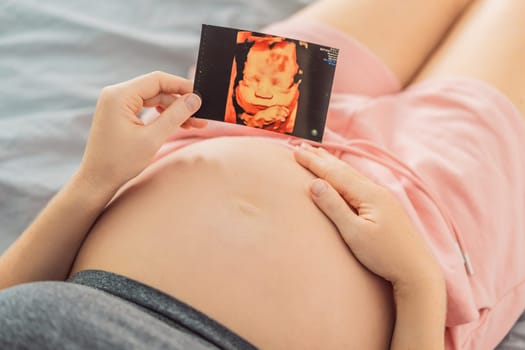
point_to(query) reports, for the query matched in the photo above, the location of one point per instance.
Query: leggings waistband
(162, 306)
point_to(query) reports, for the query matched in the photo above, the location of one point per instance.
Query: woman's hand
(120, 145)
(382, 238)
(370, 220)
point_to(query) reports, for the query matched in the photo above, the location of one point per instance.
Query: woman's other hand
(120, 144)
(380, 235)
(370, 220)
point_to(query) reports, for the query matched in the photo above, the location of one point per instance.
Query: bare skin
(120, 146)
(235, 235)
(403, 34)
(420, 40)
(488, 43)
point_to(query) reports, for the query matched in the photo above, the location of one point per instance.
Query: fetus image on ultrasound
(264, 81)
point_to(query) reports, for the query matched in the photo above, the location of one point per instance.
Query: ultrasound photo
(264, 81)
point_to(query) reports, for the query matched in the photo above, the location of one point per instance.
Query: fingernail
(193, 102)
(305, 145)
(294, 142)
(318, 187)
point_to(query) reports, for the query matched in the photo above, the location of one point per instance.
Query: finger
(161, 100)
(194, 123)
(176, 114)
(352, 186)
(320, 164)
(151, 84)
(335, 208)
(330, 158)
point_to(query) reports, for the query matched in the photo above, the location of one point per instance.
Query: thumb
(335, 208)
(176, 114)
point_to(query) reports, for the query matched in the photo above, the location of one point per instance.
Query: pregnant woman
(403, 230)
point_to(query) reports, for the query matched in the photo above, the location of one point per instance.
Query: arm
(120, 146)
(382, 238)
(45, 251)
(420, 315)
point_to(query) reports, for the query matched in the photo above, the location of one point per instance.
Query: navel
(246, 207)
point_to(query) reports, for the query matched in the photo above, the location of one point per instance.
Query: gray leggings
(63, 315)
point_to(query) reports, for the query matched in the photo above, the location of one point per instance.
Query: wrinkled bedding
(56, 55)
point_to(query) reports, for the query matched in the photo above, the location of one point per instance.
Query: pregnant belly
(227, 225)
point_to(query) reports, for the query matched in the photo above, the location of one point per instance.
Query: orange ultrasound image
(264, 81)
(266, 94)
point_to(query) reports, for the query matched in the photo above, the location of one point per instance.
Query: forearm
(420, 315)
(47, 248)
(120, 146)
